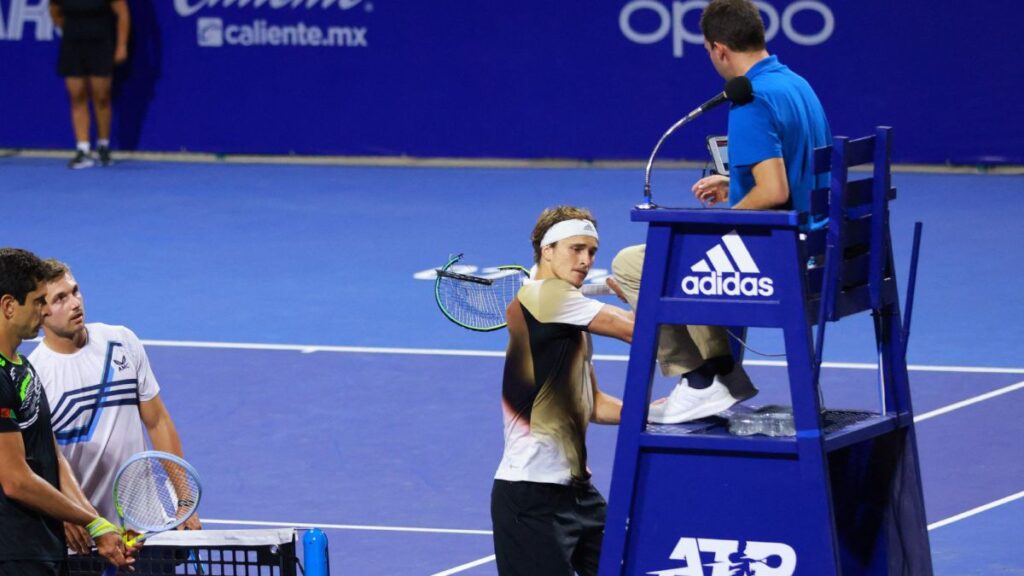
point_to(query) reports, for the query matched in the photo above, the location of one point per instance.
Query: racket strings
(155, 493)
(477, 305)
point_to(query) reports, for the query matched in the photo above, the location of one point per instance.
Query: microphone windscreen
(739, 90)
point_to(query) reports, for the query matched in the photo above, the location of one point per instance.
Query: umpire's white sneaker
(685, 404)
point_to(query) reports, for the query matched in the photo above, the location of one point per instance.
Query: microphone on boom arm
(737, 90)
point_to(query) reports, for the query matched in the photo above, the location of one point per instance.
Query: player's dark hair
(20, 273)
(551, 216)
(735, 23)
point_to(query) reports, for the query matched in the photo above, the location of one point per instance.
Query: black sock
(721, 365)
(701, 378)
(704, 375)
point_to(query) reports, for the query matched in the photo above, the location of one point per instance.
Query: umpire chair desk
(842, 497)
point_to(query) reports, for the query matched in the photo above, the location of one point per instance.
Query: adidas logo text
(731, 272)
(729, 285)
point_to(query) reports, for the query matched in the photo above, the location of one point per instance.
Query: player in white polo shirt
(102, 393)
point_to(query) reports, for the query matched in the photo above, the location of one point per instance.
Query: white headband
(568, 229)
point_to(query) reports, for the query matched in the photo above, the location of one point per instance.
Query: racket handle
(596, 289)
(134, 541)
(111, 570)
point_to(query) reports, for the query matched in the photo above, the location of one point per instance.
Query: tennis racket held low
(154, 492)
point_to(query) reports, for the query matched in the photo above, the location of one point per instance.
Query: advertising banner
(573, 79)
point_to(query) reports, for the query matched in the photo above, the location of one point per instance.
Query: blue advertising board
(529, 79)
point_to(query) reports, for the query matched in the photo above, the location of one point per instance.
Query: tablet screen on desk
(718, 147)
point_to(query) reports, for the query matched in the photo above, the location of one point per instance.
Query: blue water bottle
(314, 552)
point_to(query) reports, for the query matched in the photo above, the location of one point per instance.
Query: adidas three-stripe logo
(727, 270)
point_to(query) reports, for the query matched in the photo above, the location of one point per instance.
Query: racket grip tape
(133, 541)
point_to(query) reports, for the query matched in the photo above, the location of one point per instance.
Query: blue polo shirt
(785, 120)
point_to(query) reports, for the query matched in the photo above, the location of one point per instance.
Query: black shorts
(33, 568)
(80, 57)
(542, 529)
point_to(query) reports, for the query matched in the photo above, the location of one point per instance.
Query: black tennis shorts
(544, 529)
(81, 57)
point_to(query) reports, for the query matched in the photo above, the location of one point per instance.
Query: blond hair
(55, 269)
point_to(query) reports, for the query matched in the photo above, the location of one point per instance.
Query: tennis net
(206, 552)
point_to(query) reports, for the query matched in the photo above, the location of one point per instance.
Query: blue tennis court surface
(353, 404)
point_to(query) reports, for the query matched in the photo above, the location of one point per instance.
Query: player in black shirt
(95, 37)
(37, 488)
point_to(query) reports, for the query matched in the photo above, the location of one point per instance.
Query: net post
(314, 553)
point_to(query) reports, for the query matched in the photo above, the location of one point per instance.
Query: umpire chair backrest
(850, 267)
(848, 254)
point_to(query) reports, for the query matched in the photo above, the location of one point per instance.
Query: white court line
(978, 510)
(466, 566)
(308, 349)
(968, 402)
(350, 527)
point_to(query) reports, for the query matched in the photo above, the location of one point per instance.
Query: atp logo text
(711, 557)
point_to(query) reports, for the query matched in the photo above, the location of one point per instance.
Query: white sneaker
(685, 404)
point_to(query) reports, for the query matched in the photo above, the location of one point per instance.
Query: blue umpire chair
(841, 497)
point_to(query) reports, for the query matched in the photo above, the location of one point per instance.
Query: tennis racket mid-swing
(154, 492)
(479, 302)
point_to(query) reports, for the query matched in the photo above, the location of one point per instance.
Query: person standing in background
(95, 38)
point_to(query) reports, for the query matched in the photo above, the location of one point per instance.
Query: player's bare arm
(164, 436)
(20, 483)
(613, 322)
(607, 408)
(77, 536)
(162, 432)
(124, 23)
